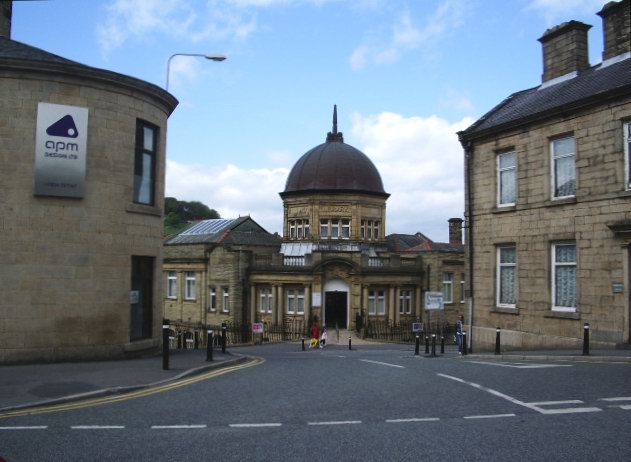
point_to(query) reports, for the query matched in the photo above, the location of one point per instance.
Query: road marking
(520, 365)
(492, 416)
(36, 427)
(422, 419)
(96, 427)
(336, 422)
(167, 427)
(255, 425)
(534, 406)
(382, 364)
(618, 398)
(132, 395)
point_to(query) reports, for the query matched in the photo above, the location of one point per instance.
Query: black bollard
(433, 344)
(349, 343)
(464, 343)
(209, 346)
(586, 339)
(497, 341)
(303, 344)
(416, 348)
(165, 344)
(442, 345)
(223, 338)
(426, 345)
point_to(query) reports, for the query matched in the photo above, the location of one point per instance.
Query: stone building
(335, 264)
(82, 163)
(548, 198)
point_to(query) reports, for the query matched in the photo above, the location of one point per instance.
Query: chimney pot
(616, 17)
(564, 49)
(455, 231)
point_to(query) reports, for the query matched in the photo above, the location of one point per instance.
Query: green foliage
(178, 214)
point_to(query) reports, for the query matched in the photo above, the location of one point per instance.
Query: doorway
(335, 309)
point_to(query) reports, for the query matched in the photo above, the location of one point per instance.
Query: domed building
(335, 265)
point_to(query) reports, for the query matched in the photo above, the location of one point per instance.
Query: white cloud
(421, 165)
(561, 10)
(406, 35)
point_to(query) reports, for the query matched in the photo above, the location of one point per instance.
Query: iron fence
(402, 331)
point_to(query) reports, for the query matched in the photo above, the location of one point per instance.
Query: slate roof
(17, 50)
(419, 243)
(595, 84)
(236, 231)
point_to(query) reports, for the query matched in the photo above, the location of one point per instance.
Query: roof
(419, 243)
(594, 85)
(235, 231)
(334, 166)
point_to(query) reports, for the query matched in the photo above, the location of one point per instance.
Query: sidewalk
(29, 385)
(595, 355)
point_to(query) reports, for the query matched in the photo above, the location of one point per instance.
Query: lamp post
(215, 57)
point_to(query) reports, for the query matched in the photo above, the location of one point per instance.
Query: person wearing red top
(315, 335)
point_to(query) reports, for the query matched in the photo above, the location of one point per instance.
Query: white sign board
(257, 328)
(434, 301)
(316, 299)
(61, 139)
(417, 327)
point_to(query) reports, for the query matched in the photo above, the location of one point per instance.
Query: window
(324, 228)
(141, 300)
(295, 301)
(265, 300)
(563, 168)
(627, 154)
(212, 299)
(335, 228)
(506, 277)
(298, 229)
(376, 302)
(171, 284)
(346, 229)
(369, 229)
(190, 285)
(462, 288)
(564, 277)
(226, 300)
(448, 287)
(145, 163)
(506, 178)
(405, 302)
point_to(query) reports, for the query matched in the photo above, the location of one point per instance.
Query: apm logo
(64, 128)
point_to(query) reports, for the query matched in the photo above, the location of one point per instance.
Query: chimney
(455, 231)
(564, 50)
(616, 28)
(5, 18)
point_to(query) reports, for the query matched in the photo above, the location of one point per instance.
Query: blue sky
(405, 75)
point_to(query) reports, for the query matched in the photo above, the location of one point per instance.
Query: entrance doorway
(335, 309)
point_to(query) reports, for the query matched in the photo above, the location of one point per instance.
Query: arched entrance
(336, 304)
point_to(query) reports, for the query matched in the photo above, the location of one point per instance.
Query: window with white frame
(295, 301)
(563, 170)
(299, 229)
(462, 288)
(369, 229)
(212, 299)
(405, 301)
(171, 284)
(506, 276)
(377, 302)
(627, 154)
(506, 178)
(226, 300)
(564, 276)
(448, 287)
(265, 299)
(335, 228)
(189, 292)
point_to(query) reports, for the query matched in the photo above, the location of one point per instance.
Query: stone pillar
(307, 288)
(417, 303)
(392, 305)
(253, 300)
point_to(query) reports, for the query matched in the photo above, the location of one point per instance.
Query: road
(368, 404)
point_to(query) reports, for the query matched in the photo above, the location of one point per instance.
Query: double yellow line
(131, 395)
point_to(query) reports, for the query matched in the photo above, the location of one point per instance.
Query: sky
(406, 76)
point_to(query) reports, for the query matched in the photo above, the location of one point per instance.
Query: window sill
(504, 209)
(144, 209)
(563, 315)
(504, 310)
(626, 193)
(564, 201)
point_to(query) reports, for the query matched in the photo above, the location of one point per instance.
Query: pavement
(32, 385)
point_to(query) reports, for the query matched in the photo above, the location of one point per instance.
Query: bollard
(442, 345)
(416, 348)
(586, 339)
(497, 341)
(165, 344)
(223, 337)
(433, 344)
(349, 343)
(426, 345)
(209, 346)
(303, 344)
(464, 343)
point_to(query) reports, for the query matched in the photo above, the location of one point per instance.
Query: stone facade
(521, 279)
(66, 263)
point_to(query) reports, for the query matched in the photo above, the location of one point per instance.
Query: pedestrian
(315, 335)
(459, 326)
(323, 337)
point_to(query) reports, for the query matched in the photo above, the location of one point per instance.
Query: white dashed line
(40, 427)
(422, 419)
(520, 365)
(617, 398)
(255, 425)
(163, 427)
(382, 364)
(97, 427)
(492, 416)
(336, 422)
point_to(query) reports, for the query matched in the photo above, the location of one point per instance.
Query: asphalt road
(369, 404)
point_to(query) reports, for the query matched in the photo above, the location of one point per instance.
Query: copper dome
(334, 166)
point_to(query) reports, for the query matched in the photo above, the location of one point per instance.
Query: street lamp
(215, 57)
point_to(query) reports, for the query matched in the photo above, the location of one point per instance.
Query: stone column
(307, 288)
(392, 303)
(417, 302)
(253, 299)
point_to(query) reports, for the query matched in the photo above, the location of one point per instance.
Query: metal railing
(389, 331)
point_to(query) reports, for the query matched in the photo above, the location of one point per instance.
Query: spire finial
(335, 135)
